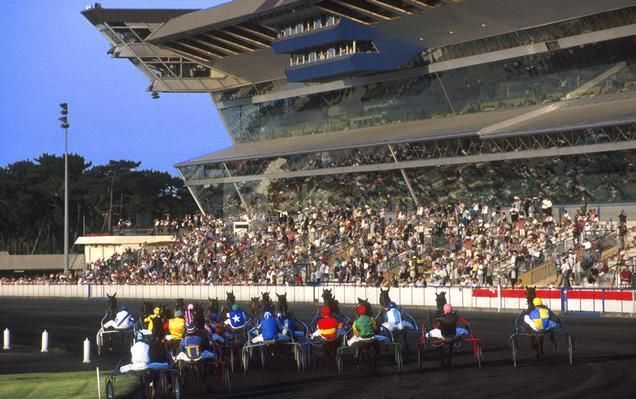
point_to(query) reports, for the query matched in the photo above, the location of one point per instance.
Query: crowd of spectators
(461, 244)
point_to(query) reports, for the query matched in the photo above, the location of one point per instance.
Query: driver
(215, 329)
(393, 319)
(451, 325)
(139, 354)
(364, 327)
(193, 347)
(236, 318)
(327, 327)
(288, 325)
(175, 326)
(541, 320)
(270, 330)
(123, 320)
(153, 320)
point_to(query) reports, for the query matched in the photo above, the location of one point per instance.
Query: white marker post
(6, 340)
(45, 341)
(87, 351)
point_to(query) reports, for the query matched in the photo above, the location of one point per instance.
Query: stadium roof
(234, 37)
(98, 15)
(575, 114)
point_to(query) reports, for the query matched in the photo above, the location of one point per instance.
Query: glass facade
(601, 68)
(600, 178)
(404, 152)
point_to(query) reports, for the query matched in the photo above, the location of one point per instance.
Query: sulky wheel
(480, 355)
(110, 389)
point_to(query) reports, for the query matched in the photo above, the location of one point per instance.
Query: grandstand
(395, 103)
(392, 106)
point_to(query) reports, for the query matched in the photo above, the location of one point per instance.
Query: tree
(32, 200)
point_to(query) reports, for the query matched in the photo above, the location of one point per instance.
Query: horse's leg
(541, 338)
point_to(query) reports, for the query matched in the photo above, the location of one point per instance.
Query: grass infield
(78, 385)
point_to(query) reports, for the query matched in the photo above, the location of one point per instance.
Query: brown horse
(385, 299)
(112, 305)
(255, 306)
(268, 305)
(329, 300)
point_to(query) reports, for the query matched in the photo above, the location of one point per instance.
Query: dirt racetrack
(604, 365)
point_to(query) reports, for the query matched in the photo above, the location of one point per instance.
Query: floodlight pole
(66, 201)
(65, 125)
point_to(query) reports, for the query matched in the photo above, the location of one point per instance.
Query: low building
(101, 247)
(39, 263)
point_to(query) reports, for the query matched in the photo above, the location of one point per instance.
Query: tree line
(32, 200)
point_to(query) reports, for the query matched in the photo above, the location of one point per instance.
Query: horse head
(180, 305)
(230, 299)
(213, 305)
(327, 296)
(531, 294)
(112, 303)
(255, 305)
(282, 302)
(267, 301)
(384, 297)
(440, 300)
(199, 317)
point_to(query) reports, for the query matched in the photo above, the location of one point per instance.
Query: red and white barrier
(493, 298)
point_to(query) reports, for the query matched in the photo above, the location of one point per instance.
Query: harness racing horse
(531, 294)
(268, 305)
(255, 306)
(180, 305)
(230, 300)
(384, 297)
(215, 307)
(112, 306)
(440, 301)
(329, 300)
(537, 342)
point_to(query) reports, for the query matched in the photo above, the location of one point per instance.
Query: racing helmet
(361, 309)
(139, 337)
(448, 308)
(325, 311)
(214, 317)
(267, 315)
(391, 305)
(124, 308)
(235, 307)
(537, 302)
(190, 328)
(156, 310)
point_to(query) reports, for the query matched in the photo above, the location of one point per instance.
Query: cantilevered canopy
(573, 115)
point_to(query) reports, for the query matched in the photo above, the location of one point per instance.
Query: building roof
(223, 14)
(124, 240)
(573, 114)
(40, 262)
(98, 15)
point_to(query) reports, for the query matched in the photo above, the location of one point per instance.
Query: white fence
(575, 300)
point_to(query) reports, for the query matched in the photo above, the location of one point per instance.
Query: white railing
(496, 299)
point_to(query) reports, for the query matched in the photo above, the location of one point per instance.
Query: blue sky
(53, 54)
